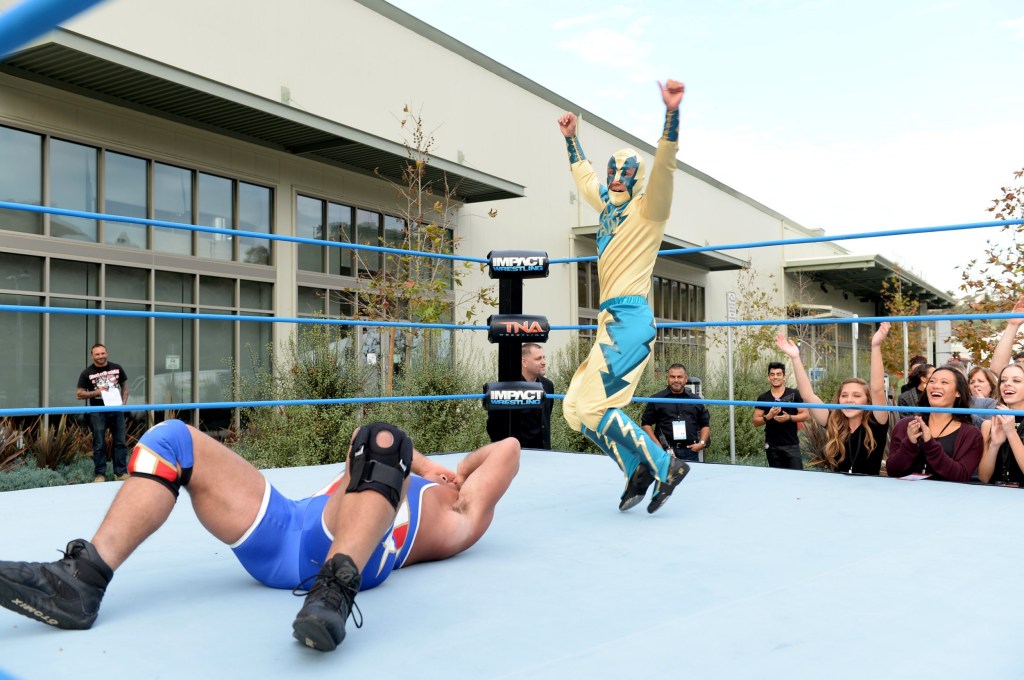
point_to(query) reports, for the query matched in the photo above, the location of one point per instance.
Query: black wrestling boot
(636, 487)
(65, 594)
(320, 623)
(677, 470)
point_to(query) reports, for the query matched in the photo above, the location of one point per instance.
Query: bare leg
(358, 520)
(226, 492)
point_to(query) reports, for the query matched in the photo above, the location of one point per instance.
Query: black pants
(99, 423)
(785, 457)
(682, 452)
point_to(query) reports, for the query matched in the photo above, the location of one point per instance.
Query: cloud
(1016, 25)
(940, 7)
(625, 50)
(916, 179)
(583, 19)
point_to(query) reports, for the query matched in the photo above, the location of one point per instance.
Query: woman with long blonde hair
(855, 438)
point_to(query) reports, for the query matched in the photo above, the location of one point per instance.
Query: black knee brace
(380, 469)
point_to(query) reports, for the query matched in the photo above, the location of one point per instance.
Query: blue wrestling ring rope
(79, 311)
(481, 260)
(313, 321)
(231, 232)
(33, 18)
(444, 326)
(812, 239)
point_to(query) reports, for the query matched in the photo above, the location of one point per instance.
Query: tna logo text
(519, 328)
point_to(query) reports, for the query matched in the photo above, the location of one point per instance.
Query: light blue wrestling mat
(745, 573)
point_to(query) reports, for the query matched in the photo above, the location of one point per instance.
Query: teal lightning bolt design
(619, 362)
(611, 217)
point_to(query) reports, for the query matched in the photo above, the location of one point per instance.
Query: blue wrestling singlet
(288, 540)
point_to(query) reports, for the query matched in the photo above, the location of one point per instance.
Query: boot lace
(331, 589)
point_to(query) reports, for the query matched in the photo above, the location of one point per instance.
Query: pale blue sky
(846, 116)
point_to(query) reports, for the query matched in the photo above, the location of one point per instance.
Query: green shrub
(12, 445)
(562, 366)
(319, 364)
(444, 425)
(58, 445)
(30, 476)
(748, 383)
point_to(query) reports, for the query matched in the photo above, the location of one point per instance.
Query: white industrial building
(273, 117)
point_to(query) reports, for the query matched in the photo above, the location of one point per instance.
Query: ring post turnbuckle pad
(517, 264)
(513, 395)
(517, 328)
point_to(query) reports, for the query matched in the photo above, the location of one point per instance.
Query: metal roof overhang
(708, 260)
(70, 62)
(862, 276)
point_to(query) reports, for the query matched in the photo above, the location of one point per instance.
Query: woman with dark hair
(855, 438)
(1003, 458)
(938, 445)
(918, 378)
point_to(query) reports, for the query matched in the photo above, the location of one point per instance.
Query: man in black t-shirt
(105, 383)
(781, 442)
(683, 428)
(532, 427)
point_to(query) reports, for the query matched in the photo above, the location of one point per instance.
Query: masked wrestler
(630, 231)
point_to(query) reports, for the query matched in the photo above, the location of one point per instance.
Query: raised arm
(803, 382)
(657, 202)
(1002, 355)
(877, 379)
(582, 171)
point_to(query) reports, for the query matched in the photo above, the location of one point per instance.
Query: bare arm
(993, 437)
(483, 478)
(657, 203)
(86, 394)
(1003, 352)
(877, 378)
(428, 469)
(803, 382)
(995, 432)
(802, 415)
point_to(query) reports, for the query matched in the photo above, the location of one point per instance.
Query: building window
(216, 209)
(371, 228)
(21, 179)
(130, 187)
(676, 301)
(254, 207)
(125, 188)
(189, 361)
(172, 202)
(73, 186)
(368, 231)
